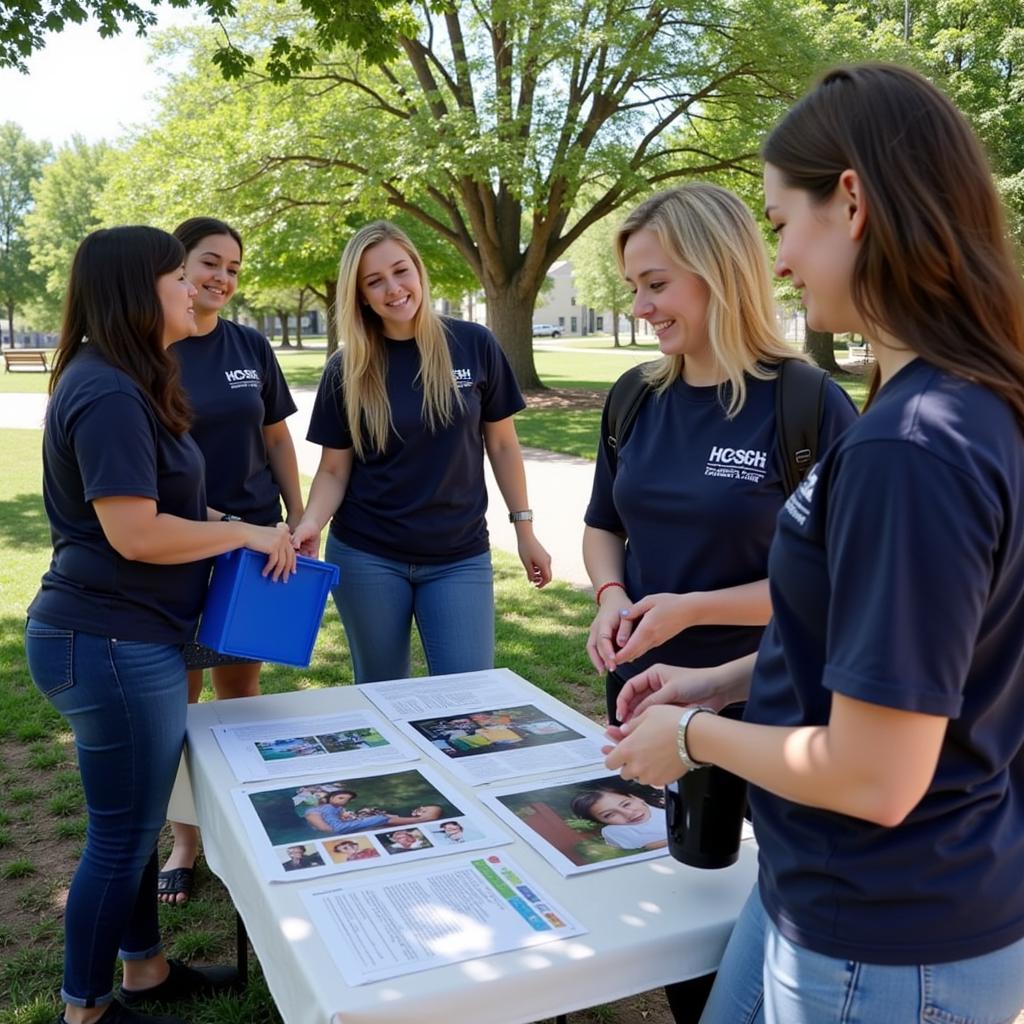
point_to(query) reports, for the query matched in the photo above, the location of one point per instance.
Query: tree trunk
(10, 324)
(511, 320)
(632, 330)
(298, 318)
(330, 304)
(282, 315)
(818, 345)
(615, 327)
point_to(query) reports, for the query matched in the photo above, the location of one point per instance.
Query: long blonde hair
(363, 361)
(709, 231)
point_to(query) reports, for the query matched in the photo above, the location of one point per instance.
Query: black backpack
(799, 401)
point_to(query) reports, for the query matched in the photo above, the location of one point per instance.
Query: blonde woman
(405, 413)
(680, 521)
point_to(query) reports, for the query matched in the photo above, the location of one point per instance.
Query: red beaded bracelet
(604, 586)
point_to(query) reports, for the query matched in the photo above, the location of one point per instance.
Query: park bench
(25, 361)
(858, 352)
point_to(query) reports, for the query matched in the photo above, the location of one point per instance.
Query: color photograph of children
(352, 739)
(284, 749)
(300, 856)
(452, 833)
(297, 814)
(500, 729)
(342, 851)
(404, 840)
(593, 821)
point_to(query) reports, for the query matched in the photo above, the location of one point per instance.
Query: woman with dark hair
(883, 730)
(132, 538)
(239, 401)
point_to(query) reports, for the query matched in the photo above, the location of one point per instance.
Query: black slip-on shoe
(185, 982)
(118, 1013)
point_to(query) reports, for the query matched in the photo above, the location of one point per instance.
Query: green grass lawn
(26, 382)
(540, 635)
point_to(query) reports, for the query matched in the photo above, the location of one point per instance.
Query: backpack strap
(626, 396)
(799, 403)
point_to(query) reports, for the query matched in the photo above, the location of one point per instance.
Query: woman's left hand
(536, 561)
(645, 747)
(659, 617)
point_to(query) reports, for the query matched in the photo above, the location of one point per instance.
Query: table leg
(241, 951)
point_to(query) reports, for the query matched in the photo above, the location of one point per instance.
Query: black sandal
(174, 882)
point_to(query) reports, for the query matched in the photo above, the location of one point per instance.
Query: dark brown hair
(112, 301)
(936, 269)
(192, 231)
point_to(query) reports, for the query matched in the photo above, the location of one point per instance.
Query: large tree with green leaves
(21, 164)
(64, 212)
(205, 154)
(484, 121)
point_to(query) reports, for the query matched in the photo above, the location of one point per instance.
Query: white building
(557, 304)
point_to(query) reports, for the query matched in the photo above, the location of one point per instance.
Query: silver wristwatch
(684, 754)
(524, 516)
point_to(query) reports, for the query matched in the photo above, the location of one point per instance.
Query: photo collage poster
(326, 825)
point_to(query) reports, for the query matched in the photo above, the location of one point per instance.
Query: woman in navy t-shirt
(883, 732)
(680, 522)
(132, 539)
(239, 401)
(405, 413)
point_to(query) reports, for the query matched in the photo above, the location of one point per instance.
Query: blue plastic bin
(250, 616)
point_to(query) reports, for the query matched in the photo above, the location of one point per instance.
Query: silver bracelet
(684, 754)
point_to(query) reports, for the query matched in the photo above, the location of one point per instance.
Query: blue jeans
(764, 977)
(125, 702)
(377, 599)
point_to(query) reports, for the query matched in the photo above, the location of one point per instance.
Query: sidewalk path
(559, 485)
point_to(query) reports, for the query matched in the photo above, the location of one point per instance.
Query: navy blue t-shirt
(103, 440)
(697, 496)
(423, 499)
(235, 387)
(897, 578)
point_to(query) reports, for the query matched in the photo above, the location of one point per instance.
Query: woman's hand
(276, 543)
(609, 630)
(536, 561)
(306, 538)
(657, 618)
(645, 748)
(669, 684)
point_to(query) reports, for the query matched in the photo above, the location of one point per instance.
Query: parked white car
(546, 331)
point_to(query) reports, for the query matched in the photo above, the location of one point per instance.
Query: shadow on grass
(23, 522)
(302, 376)
(569, 431)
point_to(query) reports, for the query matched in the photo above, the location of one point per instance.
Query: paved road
(559, 485)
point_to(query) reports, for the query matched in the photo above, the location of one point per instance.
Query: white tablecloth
(648, 923)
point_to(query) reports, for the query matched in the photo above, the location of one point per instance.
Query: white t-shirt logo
(798, 505)
(242, 378)
(463, 378)
(737, 463)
